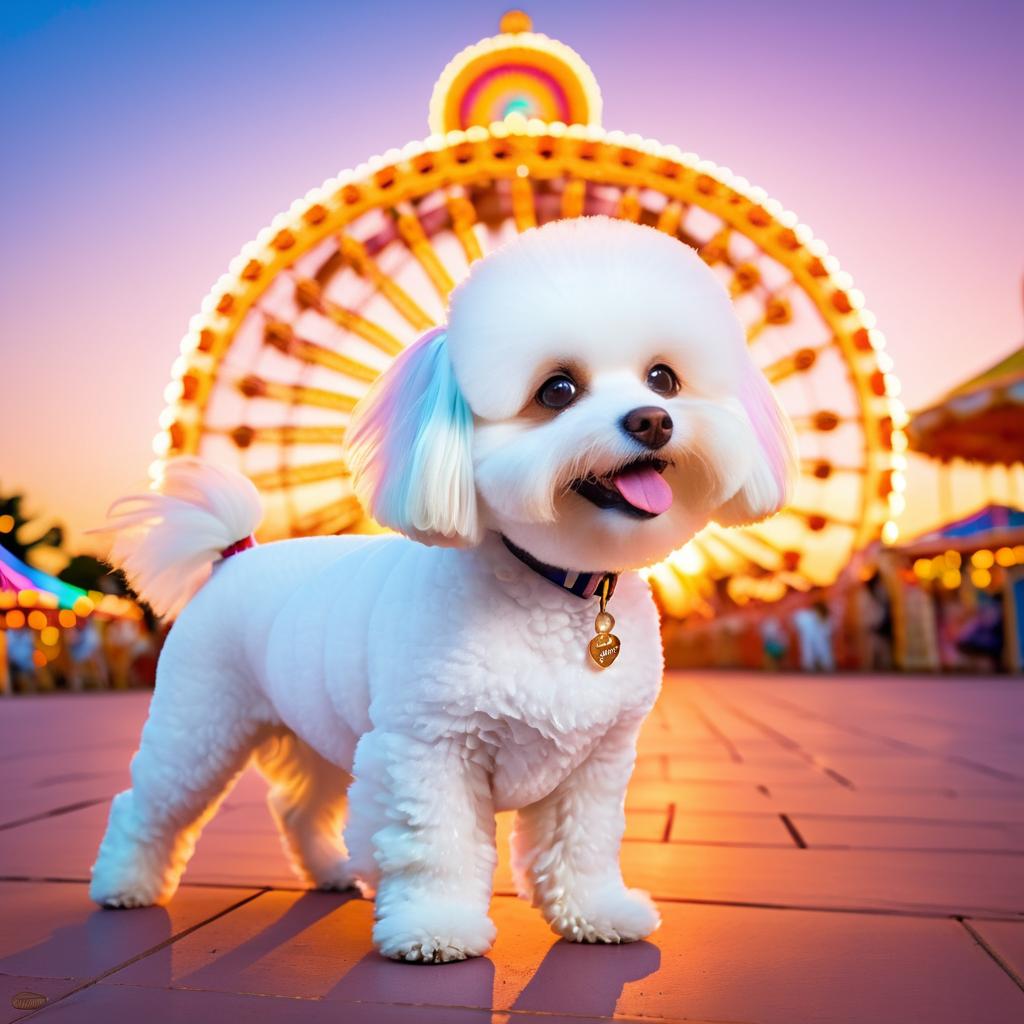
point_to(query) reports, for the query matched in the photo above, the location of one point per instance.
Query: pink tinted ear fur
(409, 448)
(772, 477)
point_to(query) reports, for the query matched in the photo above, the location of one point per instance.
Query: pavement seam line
(984, 944)
(666, 835)
(149, 952)
(787, 743)
(794, 832)
(712, 727)
(891, 741)
(54, 812)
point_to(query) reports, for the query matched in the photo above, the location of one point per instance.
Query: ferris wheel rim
(742, 206)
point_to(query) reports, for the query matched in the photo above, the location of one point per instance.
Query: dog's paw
(433, 932)
(129, 872)
(617, 915)
(126, 878)
(127, 888)
(334, 878)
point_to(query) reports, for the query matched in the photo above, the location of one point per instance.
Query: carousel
(325, 297)
(46, 623)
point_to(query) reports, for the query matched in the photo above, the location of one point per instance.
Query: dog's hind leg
(192, 751)
(307, 800)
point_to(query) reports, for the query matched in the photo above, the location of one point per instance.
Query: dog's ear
(409, 448)
(769, 484)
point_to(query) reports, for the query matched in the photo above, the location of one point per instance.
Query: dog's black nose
(649, 425)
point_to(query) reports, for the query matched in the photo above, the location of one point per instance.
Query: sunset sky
(144, 142)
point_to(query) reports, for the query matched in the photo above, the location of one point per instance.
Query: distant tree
(20, 532)
(91, 573)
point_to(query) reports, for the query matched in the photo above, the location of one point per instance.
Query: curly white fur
(451, 681)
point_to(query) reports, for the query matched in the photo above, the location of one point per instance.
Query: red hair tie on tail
(239, 545)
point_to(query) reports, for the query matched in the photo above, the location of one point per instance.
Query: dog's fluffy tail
(167, 541)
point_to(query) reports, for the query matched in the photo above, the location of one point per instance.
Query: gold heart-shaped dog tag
(604, 649)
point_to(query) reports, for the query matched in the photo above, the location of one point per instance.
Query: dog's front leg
(421, 831)
(565, 849)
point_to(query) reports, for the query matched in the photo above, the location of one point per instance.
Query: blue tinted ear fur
(409, 448)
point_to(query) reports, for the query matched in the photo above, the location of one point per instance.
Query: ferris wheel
(314, 309)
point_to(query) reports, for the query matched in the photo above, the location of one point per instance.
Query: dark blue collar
(581, 584)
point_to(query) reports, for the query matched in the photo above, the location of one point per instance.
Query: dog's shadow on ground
(378, 980)
(582, 980)
(586, 980)
(92, 944)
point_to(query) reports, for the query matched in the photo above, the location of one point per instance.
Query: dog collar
(604, 647)
(579, 584)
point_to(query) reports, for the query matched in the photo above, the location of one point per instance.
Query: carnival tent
(995, 520)
(980, 421)
(25, 589)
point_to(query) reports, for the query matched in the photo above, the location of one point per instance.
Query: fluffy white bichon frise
(588, 407)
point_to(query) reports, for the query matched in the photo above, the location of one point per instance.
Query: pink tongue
(645, 488)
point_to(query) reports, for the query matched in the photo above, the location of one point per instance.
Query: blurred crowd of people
(851, 628)
(118, 654)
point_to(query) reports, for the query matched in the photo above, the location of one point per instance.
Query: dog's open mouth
(638, 489)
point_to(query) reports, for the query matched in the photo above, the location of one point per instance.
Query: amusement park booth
(972, 571)
(974, 565)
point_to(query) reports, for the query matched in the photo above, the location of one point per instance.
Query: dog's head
(591, 397)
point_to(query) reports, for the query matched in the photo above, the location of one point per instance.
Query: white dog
(588, 407)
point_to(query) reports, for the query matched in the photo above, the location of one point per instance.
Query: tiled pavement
(821, 849)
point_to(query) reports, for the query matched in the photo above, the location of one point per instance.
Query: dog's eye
(557, 392)
(662, 381)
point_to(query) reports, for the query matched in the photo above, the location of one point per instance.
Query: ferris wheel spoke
(463, 215)
(759, 553)
(574, 196)
(253, 386)
(800, 361)
(285, 436)
(796, 582)
(334, 517)
(295, 476)
(716, 249)
(778, 312)
(707, 555)
(354, 253)
(818, 521)
(281, 336)
(417, 241)
(756, 533)
(524, 212)
(671, 217)
(745, 278)
(692, 594)
(823, 469)
(310, 295)
(824, 421)
(628, 207)
(698, 590)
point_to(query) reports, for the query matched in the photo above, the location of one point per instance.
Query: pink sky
(146, 143)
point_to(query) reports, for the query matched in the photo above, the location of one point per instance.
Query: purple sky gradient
(145, 142)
